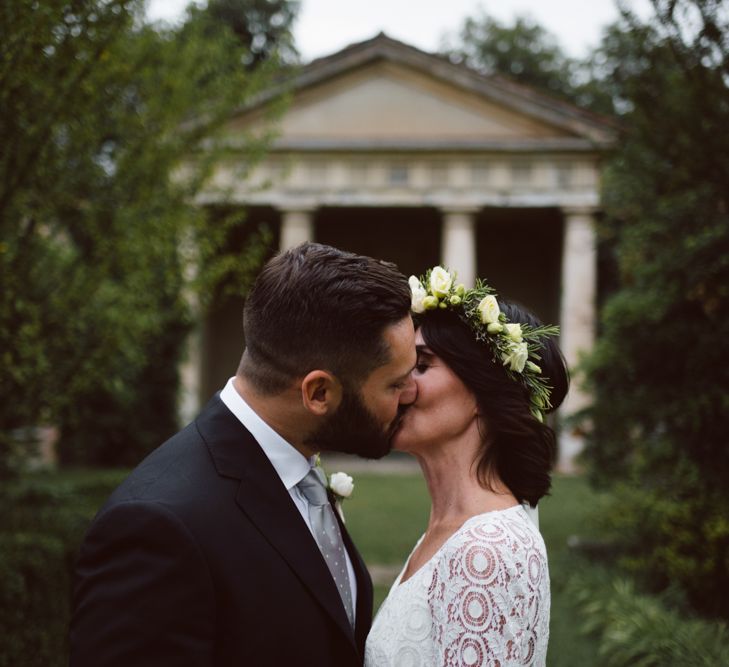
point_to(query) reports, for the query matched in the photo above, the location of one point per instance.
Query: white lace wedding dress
(482, 599)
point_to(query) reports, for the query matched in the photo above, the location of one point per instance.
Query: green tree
(529, 54)
(524, 51)
(262, 26)
(102, 120)
(659, 374)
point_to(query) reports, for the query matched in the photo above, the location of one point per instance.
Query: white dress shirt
(290, 464)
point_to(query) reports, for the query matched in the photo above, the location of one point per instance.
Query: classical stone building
(403, 155)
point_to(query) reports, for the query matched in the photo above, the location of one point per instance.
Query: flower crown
(515, 346)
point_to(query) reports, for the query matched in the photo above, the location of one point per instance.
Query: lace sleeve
(489, 597)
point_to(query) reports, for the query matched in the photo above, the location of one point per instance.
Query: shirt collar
(290, 464)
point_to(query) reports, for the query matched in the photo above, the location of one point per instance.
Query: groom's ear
(321, 392)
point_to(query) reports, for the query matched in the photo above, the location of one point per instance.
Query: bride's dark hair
(518, 449)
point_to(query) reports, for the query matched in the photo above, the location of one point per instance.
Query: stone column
(577, 318)
(297, 226)
(188, 403)
(458, 244)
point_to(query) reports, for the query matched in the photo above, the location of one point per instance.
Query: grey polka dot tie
(327, 534)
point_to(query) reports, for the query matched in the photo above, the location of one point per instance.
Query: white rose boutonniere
(417, 295)
(516, 357)
(440, 282)
(489, 311)
(341, 485)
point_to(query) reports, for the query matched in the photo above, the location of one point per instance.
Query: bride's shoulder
(507, 531)
(497, 549)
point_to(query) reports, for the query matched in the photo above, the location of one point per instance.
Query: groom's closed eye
(401, 382)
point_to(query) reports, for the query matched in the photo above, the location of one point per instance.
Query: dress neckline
(399, 582)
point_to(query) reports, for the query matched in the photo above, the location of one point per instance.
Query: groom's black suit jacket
(200, 558)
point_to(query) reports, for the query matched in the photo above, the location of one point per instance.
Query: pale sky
(326, 26)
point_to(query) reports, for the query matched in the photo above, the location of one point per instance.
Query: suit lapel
(267, 503)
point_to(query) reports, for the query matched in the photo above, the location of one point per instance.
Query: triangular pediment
(384, 93)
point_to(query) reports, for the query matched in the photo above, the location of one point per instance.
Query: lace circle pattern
(482, 599)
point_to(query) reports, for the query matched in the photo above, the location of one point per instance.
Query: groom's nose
(410, 392)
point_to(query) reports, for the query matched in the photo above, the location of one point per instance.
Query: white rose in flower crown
(417, 294)
(342, 484)
(513, 331)
(430, 302)
(516, 357)
(489, 309)
(440, 281)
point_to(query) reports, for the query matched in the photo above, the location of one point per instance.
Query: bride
(475, 589)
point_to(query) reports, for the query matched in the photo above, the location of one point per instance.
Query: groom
(213, 552)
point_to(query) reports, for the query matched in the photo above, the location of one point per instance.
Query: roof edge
(496, 88)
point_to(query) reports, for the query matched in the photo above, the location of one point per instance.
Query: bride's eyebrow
(423, 351)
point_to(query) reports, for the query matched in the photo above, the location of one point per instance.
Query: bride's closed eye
(424, 360)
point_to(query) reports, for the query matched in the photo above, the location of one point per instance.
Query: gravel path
(383, 575)
(393, 464)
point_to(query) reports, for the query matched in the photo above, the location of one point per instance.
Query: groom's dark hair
(317, 307)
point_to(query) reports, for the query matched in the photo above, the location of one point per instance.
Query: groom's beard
(353, 429)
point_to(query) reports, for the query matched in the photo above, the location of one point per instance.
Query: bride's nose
(410, 392)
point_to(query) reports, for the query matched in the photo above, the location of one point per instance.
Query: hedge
(34, 594)
(632, 628)
(42, 522)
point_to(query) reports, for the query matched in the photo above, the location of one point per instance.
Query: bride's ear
(480, 419)
(321, 392)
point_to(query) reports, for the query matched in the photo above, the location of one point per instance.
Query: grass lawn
(388, 513)
(563, 514)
